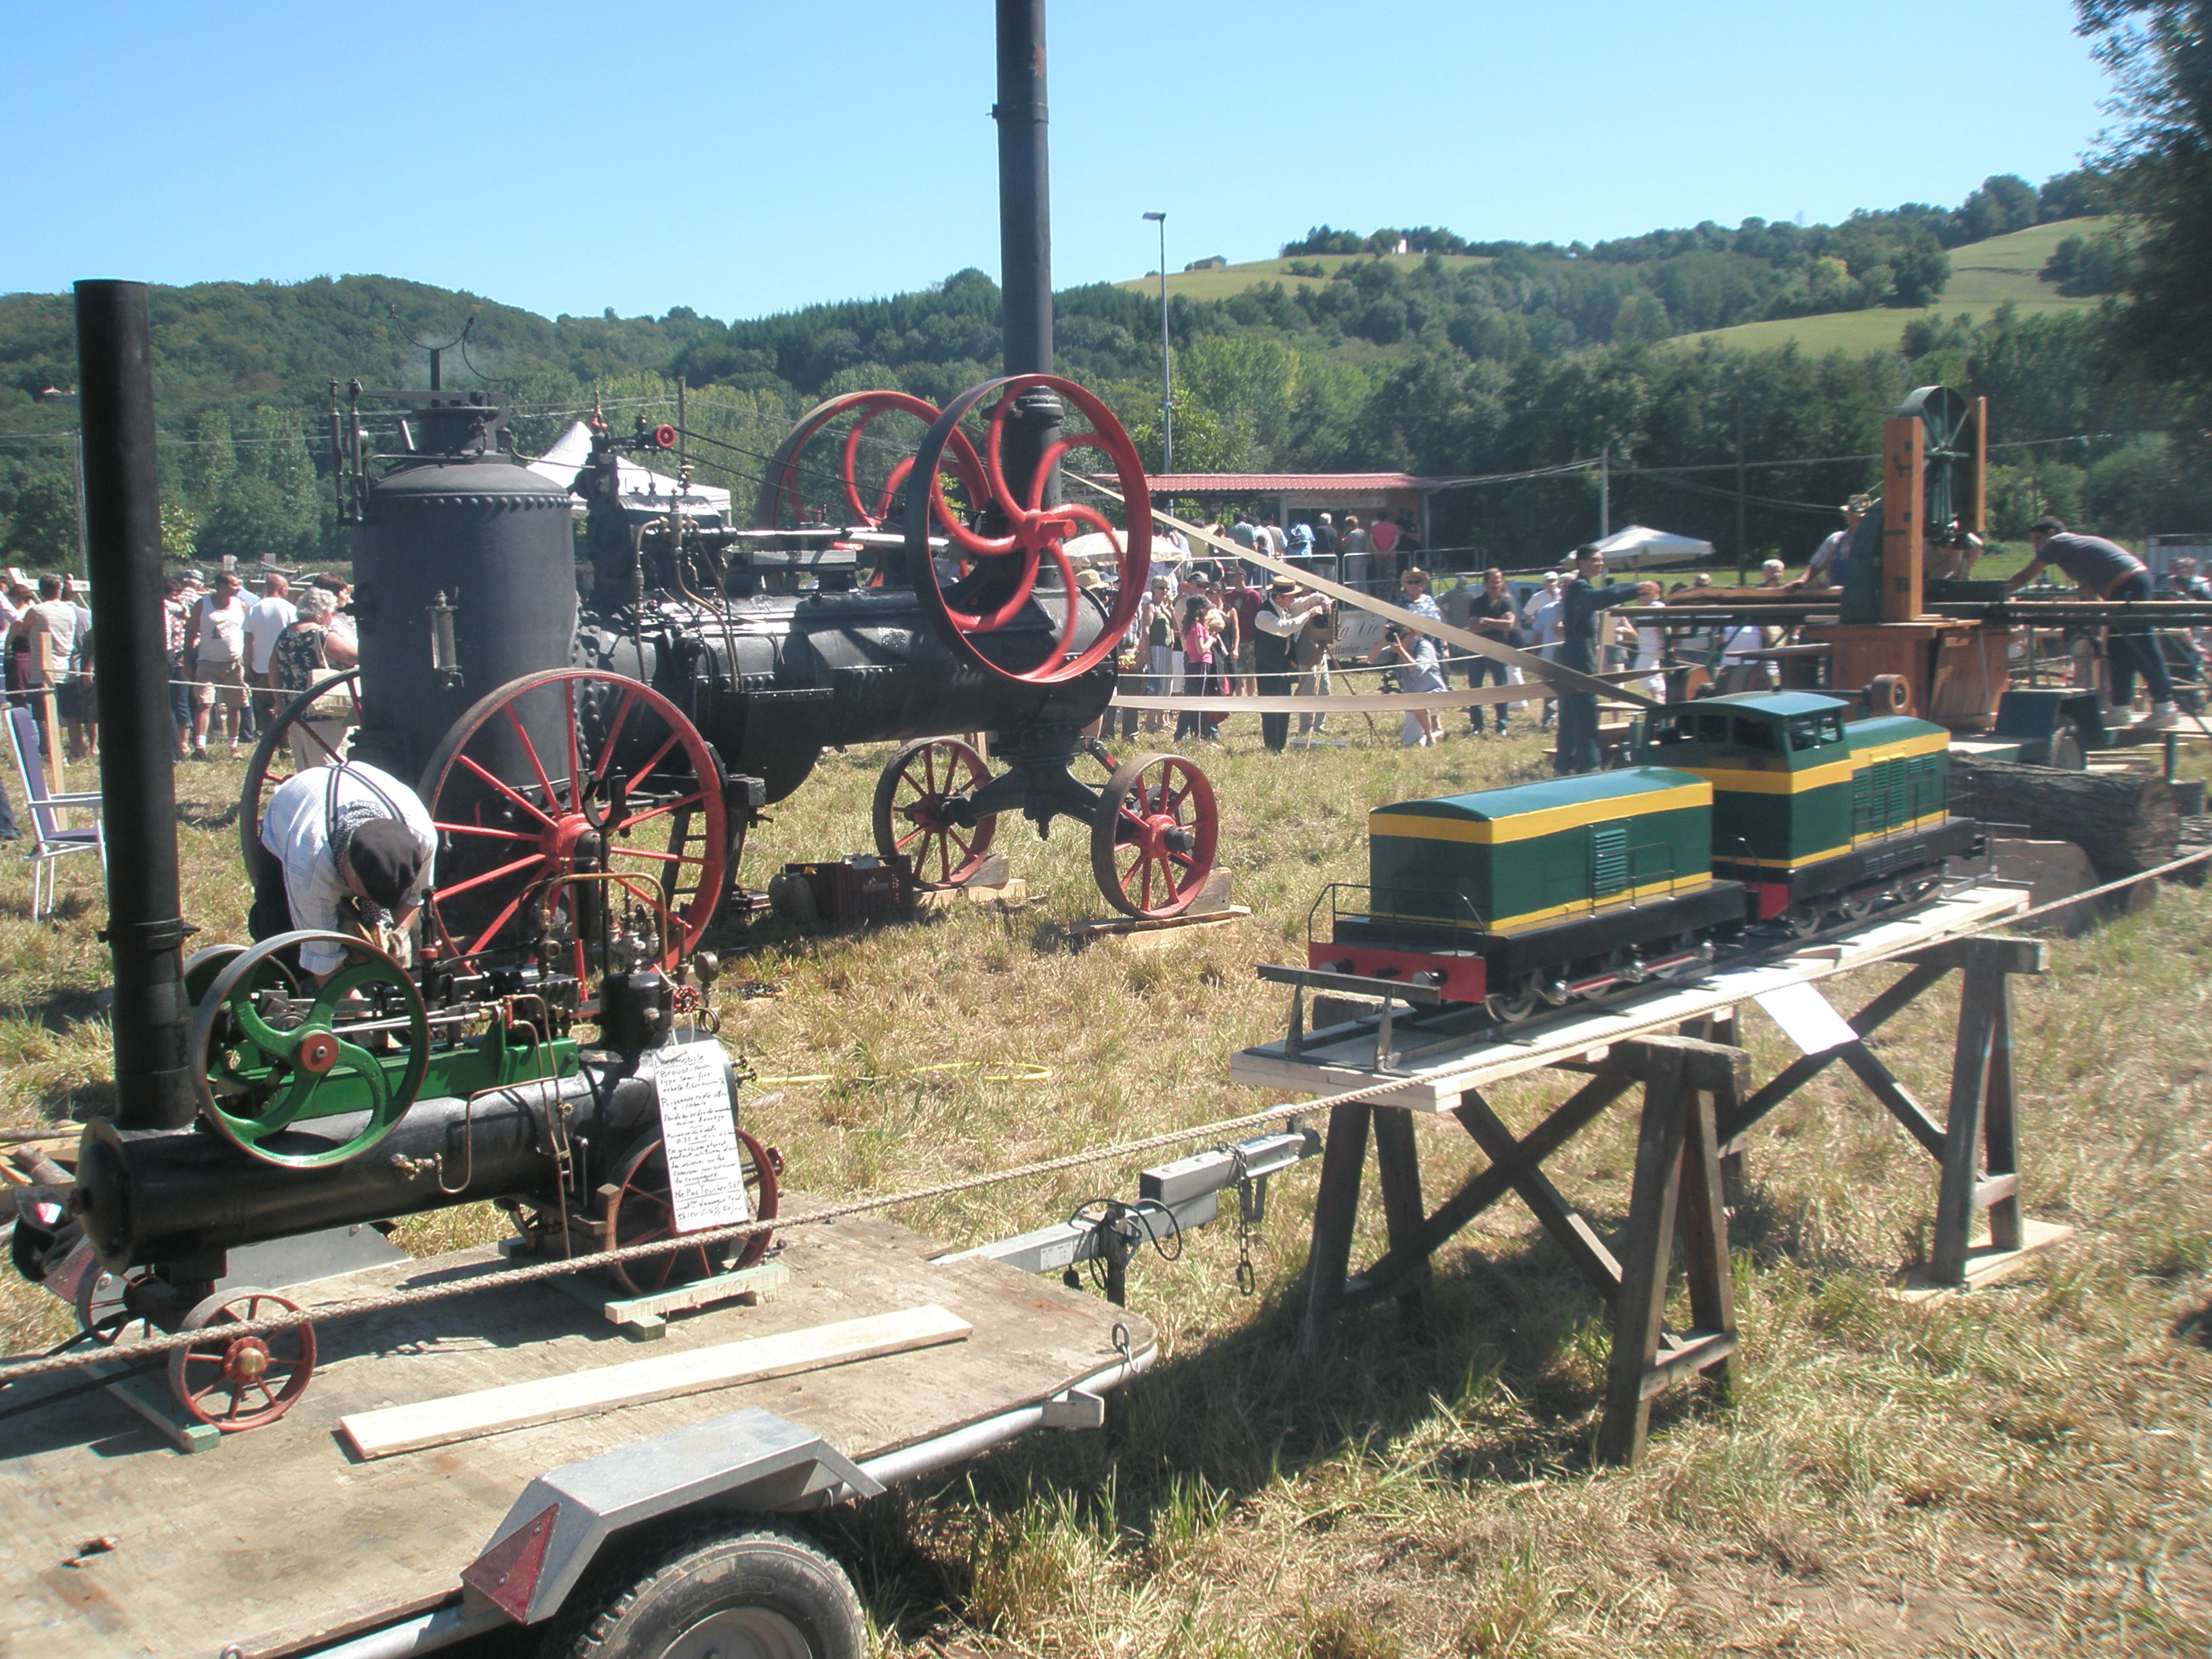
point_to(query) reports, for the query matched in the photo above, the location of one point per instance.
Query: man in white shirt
(266, 618)
(54, 618)
(353, 850)
(1542, 618)
(219, 674)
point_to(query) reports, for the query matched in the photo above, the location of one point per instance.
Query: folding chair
(50, 842)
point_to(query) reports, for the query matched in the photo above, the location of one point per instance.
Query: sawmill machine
(254, 1104)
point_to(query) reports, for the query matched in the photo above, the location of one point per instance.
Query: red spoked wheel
(312, 729)
(641, 1211)
(910, 810)
(238, 1382)
(569, 773)
(1001, 584)
(783, 492)
(1153, 840)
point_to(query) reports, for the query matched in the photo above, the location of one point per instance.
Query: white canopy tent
(642, 488)
(1639, 545)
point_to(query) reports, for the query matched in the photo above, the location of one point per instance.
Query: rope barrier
(150, 1347)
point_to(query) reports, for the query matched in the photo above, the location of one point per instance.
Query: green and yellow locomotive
(1759, 814)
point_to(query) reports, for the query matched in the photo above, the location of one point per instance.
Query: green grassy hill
(1226, 280)
(1983, 275)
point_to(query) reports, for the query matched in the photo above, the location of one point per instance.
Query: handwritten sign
(699, 1128)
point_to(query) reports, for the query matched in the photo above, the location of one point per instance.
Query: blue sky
(742, 158)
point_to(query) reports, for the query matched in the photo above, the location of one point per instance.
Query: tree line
(1520, 359)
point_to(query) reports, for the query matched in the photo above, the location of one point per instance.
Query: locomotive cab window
(1755, 734)
(1682, 728)
(1811, 731)
(1712, 728)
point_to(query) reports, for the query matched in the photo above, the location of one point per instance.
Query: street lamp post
(1167, 394)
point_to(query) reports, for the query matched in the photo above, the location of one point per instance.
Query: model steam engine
(1764, 815)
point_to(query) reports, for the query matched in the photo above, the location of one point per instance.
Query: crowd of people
(235, 659)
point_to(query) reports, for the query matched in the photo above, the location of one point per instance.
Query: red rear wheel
(643, 1211)
(910, 810)
(573, 772)
(239, 1383)
(1152, 839)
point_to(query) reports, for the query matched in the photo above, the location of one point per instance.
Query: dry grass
(2022, 1472)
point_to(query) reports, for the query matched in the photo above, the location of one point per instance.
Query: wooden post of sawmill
(1978, 491)
(1904, 507)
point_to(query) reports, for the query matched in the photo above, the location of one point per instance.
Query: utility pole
(682, 430)
(1605, 492)
(1167, 393)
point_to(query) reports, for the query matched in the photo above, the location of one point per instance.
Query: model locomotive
(1761, 814)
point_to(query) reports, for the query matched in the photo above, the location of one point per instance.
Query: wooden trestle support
(1697, 1107)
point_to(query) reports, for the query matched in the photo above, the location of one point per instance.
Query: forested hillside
(1451, 358)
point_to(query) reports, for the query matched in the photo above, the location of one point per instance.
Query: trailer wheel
(754, 1596)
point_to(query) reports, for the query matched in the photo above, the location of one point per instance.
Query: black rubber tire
(803, 1600)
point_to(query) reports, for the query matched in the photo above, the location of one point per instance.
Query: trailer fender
(749, 1460)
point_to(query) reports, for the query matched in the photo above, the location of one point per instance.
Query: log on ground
(2126, 823)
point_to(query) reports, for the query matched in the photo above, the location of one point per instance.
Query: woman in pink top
(1201, 633)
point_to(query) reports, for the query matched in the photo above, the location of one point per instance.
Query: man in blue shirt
(2105, 570)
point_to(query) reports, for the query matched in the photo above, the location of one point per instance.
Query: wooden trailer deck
(278, 1539)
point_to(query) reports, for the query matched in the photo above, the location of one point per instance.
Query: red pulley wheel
(664, 437)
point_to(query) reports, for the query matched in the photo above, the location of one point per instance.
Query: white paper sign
(706, 1174)
(1805, 1018)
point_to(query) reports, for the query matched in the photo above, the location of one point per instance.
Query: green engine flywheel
(269, 1053)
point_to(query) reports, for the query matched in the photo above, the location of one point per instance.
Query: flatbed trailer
(280, 1540)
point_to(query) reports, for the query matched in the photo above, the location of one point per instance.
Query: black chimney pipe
(1025, 230)
(138, 744)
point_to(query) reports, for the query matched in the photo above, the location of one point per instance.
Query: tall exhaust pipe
(138, 744)
(1025, 229)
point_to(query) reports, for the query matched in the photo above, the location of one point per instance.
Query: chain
(1247, 1281)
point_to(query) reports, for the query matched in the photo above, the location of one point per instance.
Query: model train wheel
(910, 810)
(642, 1212)
(1001, 585)
(1152, 837)
(238, 1382)
(570, 772)
(264, 1056)
(294, 740)
(1514, 1006)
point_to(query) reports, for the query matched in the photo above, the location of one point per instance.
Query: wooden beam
(547, 1400)
(1904, 509)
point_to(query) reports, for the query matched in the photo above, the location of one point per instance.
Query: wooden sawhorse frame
(1978, 1144)
(1687, 1083)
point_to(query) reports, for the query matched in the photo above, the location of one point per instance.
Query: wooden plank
(1336, 1216)
(644, 1318)
(1677, 1365)
(1645, 1248)
(147, 1394)
(1985, 1264)
(547, 1400)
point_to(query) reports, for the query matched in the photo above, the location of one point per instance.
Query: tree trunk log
(2126, 823)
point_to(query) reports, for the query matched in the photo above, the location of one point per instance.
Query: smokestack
(137, 744)
(1025, 229)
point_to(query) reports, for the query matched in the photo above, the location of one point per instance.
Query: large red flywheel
(566, 798)
(867, 500)
(1001, 586)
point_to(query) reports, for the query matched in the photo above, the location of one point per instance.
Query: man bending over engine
(352, 850)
